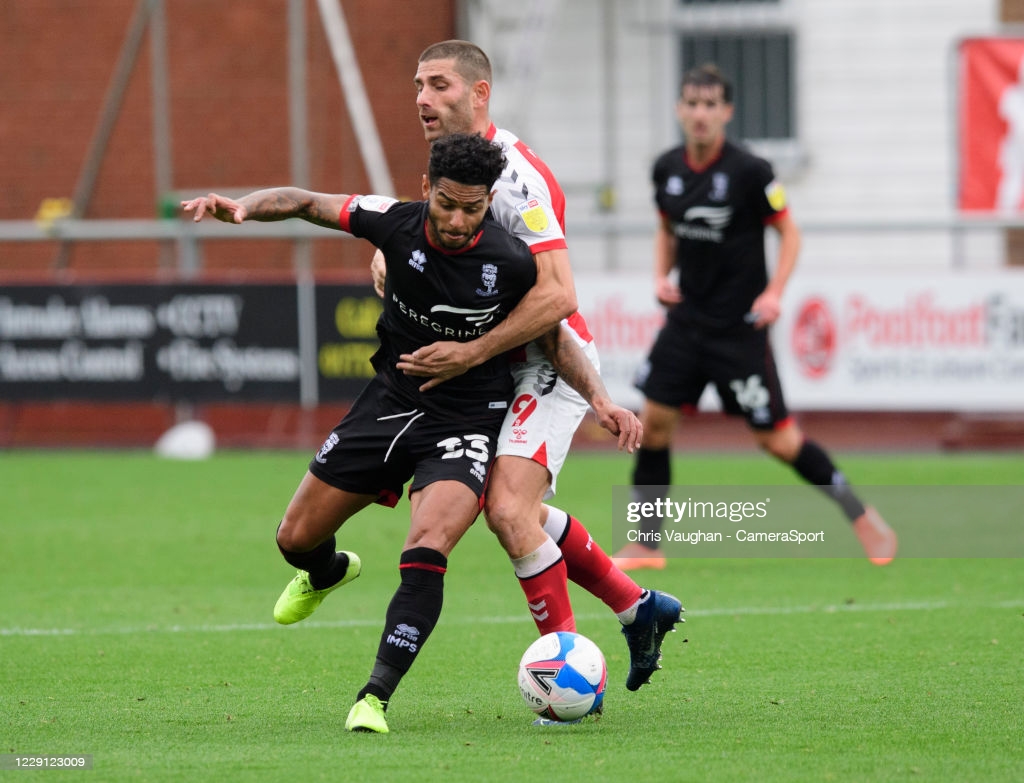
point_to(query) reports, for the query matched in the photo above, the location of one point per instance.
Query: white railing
(188, 236)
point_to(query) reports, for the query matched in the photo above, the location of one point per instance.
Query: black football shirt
(718, 214)
(434, 294)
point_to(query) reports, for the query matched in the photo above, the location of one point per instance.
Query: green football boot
(367, 714)
(299, 600)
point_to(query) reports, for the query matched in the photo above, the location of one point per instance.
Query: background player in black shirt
(453, 272)
(715, 199)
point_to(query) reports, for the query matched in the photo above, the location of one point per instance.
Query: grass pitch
(135, 626)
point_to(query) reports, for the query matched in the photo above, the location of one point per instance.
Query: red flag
(991, 124)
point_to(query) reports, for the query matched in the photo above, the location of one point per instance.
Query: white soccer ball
(562, 676)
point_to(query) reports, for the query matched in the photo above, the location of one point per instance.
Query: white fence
(948, 337)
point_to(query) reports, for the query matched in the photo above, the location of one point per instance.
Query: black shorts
(685, 358)
(383, 441)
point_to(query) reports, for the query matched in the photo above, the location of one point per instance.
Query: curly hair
(466, 158)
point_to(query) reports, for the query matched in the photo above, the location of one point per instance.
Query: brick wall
(228, 77)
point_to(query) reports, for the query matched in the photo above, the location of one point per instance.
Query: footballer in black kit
(431, 294)
(715, 200)
(436, 294)
(717, 215)
(451, 276)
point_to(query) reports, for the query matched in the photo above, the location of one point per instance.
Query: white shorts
(545, 412)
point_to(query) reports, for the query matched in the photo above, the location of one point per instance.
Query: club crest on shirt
(534, 216)
(489, 279)
(674, 186)
(719, 186)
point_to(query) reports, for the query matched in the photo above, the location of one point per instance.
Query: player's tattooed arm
(573, 366)
(269, 205)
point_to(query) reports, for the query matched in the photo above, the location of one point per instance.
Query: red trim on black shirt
(344, 216)
(448, 251)
(701, 169)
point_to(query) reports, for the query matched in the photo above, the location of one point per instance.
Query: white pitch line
(906, 606)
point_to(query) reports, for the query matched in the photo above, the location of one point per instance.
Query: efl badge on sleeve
(534, 216)
(376, 203)
(776, 195)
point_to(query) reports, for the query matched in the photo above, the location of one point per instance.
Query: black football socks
(652, 473)
(815, 467)
(325, 566)
(411, 617)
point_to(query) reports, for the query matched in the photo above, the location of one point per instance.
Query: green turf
(135, 625)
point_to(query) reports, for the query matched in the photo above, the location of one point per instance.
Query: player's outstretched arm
(269, 205)
(552, 298)
(573, 366)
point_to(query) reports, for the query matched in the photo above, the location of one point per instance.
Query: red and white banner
(852, 341)
(991, 120)
(903, 342)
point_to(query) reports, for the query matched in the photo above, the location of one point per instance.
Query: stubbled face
(703, 114)
(455, 212)
(444, 99)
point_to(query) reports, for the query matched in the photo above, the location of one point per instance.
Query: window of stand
(760, 66)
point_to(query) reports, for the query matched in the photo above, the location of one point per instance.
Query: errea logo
(418, 260)
(405, 637)
(478, 471)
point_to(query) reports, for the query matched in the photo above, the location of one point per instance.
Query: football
(562, 676)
